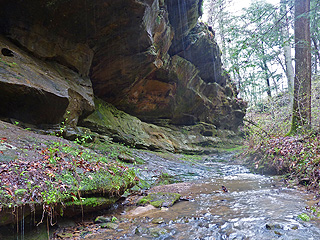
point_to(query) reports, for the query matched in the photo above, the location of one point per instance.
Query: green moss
(142, 184)
(109, 225)
(191, 158)
(157, 204)
(92, 202)
(143, 201)
(160, 199)
(109, 116)
(232, 149)
(110, 180)
(165, 179)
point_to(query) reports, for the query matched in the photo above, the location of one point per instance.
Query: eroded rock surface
(149, 58)
(121, 127)
(40, 92)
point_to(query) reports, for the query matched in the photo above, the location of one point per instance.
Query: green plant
(63, 124)
(83, 139)
(53, 155)
(304, 217)
(20, 191)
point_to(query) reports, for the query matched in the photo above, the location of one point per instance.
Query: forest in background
(276, 70)
(257, 45)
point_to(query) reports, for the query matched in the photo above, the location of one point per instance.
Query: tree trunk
(265, 70)
(301, 115)
(317, 54)
(289, 68)
(287, 49)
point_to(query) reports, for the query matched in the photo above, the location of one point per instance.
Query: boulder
(160, 199)
(140, 211)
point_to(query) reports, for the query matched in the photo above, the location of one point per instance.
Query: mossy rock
(102, 219)
(165, 179)
(153, 232)
(157, 232)
(87, 205)
(160, 199)
(92, 202)
(109, 225)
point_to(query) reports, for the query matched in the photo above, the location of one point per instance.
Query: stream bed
(255, 206)
(251, 206)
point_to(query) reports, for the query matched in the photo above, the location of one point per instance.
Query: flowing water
(255, 206)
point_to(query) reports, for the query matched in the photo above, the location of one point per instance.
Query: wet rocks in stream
(160, 199)
(109, 225)
(140, 210)
(154, 232)
(107, 222)
(102, 219)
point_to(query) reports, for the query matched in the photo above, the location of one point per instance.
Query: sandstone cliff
(149, 58)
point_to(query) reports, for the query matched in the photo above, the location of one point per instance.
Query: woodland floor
(271, 151)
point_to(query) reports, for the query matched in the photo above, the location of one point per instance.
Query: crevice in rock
(7, 52)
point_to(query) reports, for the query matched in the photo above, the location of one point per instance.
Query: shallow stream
(255, 206)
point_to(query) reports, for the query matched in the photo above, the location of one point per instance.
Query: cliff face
(149, 58)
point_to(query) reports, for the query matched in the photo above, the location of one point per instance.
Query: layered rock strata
(149, 58)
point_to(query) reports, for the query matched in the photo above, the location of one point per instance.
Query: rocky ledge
(139, 56)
